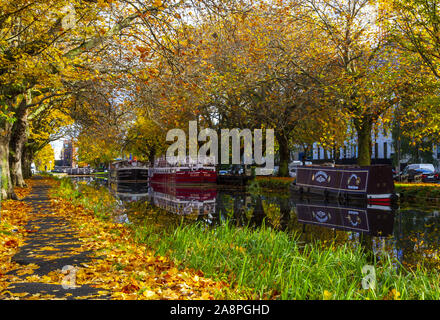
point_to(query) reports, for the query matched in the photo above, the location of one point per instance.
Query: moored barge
(186, 172)
(129, 171)
(130, 191)
(374, 184)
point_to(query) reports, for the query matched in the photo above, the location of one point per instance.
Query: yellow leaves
(172, 272)
(327, 295)
(128, 270)
(45, 159)
(103, 3)
(150, 295)
(14, 216)
(395, 294)
(10, 243)
(157, 3)
(206, 296)
(47, 248)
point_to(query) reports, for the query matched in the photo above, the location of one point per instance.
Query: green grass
(275, 264)
(428, 193)
(99, 200)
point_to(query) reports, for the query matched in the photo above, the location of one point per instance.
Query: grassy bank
(278, 184)
(275, 265)
(426, 192)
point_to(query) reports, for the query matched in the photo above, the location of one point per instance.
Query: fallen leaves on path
(129, 270)
(23, 192)
(14, 215)
(119, 267)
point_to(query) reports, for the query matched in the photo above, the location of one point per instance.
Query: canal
(408, 233)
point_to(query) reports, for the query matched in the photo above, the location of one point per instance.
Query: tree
(46, 46)
(45, 159)
(365, 64)
(245, 69)
(145, 139)
(416, 25)
(33, 42)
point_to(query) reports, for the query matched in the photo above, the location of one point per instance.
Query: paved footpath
(52, 245)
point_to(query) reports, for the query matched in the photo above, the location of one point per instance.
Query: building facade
(68, 154)
(382, 151)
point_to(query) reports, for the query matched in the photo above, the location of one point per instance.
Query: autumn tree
(45, 159)
(415, 27)
(365, 64)
(48, 45)
(245, 69)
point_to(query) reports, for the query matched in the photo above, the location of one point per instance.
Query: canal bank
(72, 249)
(261, 261)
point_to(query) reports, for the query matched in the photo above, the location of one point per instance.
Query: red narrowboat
(188, 172)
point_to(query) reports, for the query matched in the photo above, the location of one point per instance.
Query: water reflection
(183, 200)
(130, 192)
(407, 234)
(371, 220)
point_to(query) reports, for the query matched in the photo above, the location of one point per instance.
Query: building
(68, 154)
(382, 151)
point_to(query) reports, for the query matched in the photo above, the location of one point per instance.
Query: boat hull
(130, 174)
(185, 177)
(373, 184)
(372, 220)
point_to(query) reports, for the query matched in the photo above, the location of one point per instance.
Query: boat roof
(129, 161)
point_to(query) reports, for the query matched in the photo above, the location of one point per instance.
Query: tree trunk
(28, 156)
(7, 190)
(283, 144)
(16, 145)
(363, 129)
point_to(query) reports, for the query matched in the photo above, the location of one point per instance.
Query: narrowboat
(373, 184)
(375, 220)
(129, 171)
(185, 172)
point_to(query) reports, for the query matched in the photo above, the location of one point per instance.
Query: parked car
(421, 166)
(419, 173)
(410, 175)
(223, 172)
(429, 176)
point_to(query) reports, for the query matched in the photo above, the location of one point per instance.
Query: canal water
(409, 233)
